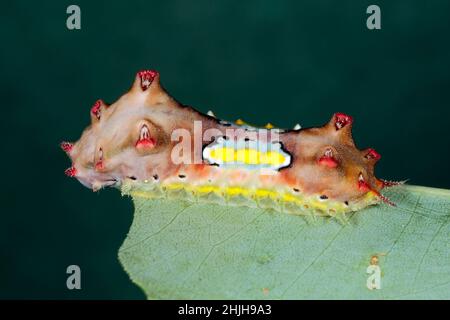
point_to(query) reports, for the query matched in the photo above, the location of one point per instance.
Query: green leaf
(182, 250)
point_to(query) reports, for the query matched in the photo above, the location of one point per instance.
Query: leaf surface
(183, 250)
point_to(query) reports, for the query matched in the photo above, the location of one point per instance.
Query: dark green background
(277, 61)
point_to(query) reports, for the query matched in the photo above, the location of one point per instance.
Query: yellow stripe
(286, 197)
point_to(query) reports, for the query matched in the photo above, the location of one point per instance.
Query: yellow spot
(269, 126)
(235, 191)
(247, 156)
(263, 193)
(291, 198)
(206, 189)
(240, 122)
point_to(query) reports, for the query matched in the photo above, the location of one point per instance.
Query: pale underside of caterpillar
(150, 145)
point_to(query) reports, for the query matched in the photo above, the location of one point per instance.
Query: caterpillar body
(150, 145)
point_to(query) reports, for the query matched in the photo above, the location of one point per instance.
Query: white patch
(257, 147)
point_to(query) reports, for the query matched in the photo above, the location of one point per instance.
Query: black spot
(246, 139)
(323, 197)
(346, 203)
(155, 177)
(296, 190)
(132, 178)
(181, 176)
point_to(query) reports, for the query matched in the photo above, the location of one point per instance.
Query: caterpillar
(150, 145)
